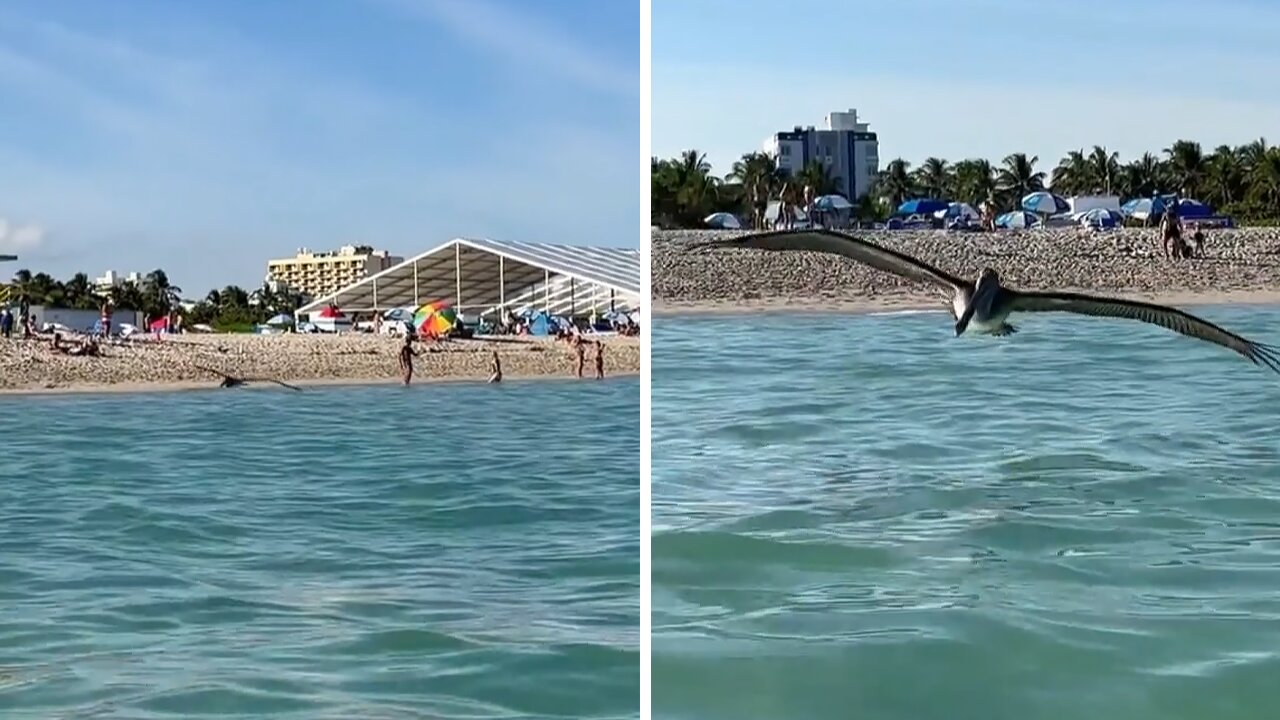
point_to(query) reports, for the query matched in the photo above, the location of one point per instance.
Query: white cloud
(524, 39)
(16, 238)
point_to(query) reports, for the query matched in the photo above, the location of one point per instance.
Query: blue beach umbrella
(281, 319)
(1016, 220)
(922, 206)
(832, 202)
(1044, 203)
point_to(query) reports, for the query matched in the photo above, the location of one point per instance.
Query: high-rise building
(848, 148)
(318, 274)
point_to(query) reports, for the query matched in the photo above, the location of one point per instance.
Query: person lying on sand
(230, 381)
(495, 368)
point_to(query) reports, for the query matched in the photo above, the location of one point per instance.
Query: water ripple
(867, 513)
(441, 551)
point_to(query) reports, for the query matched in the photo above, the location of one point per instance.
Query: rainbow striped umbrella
(434, 319)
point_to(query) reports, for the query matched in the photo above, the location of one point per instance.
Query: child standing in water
(599, 360)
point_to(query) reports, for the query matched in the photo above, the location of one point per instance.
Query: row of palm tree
(1242, 181)
(156, 297)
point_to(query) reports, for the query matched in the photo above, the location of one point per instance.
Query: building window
(784, 150)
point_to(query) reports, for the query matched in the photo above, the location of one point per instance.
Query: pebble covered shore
(32, 365)
(1125, 262)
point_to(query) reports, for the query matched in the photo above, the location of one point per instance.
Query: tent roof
(493, 271)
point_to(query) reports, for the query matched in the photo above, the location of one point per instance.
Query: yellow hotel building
(318, 274)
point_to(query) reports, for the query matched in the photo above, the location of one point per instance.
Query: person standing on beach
(599, 360)
(579, 347)
(105, 317)
(1171, 232)
(6, 323)
(407, 354)
(495, 369)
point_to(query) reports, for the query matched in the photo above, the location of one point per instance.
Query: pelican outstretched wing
(830, 241)
(1166, 317)
(247, 379)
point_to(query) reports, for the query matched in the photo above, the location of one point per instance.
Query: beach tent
(330, 319)
(722, 221)
(958, 210)
(1016, 219)
(159, 325)
(281, 319)
(540, 324)
(1099, 217)
(921, 206)
(1193, 209)
(1143, 208)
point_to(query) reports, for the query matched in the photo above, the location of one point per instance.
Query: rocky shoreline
(171, 363)
(1239, 266)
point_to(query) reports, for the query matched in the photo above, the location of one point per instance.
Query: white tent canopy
(480, 276)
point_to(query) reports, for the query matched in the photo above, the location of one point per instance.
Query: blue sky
(204, 137)
(980, 78)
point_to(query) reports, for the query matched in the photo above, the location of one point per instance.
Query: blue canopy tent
(1193, 209)
(921, 206)
(540, 324)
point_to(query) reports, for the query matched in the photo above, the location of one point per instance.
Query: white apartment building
(848, 147)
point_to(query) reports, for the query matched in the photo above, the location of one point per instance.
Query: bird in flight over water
(985, 305)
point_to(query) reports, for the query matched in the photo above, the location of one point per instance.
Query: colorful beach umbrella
(435, 319)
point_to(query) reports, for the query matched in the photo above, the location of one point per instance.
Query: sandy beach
(1240, 266)
(32, 366)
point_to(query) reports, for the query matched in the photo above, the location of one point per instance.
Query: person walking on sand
(407, 354)
(599, 360)
(495, 369)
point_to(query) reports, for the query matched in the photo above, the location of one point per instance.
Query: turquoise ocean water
(441, 551)
(864, 517)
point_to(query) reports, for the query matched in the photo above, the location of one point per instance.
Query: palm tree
(818, 176)
(1104, 169)
(1186, 162)
(933, 178)
(975, 181)
(1019, 177)
(1072, 173)
(895, 184)
(161, 296)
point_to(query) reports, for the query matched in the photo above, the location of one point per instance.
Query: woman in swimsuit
(495, 368)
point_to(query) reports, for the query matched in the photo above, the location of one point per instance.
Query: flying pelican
(986, 305)
(230, 381)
